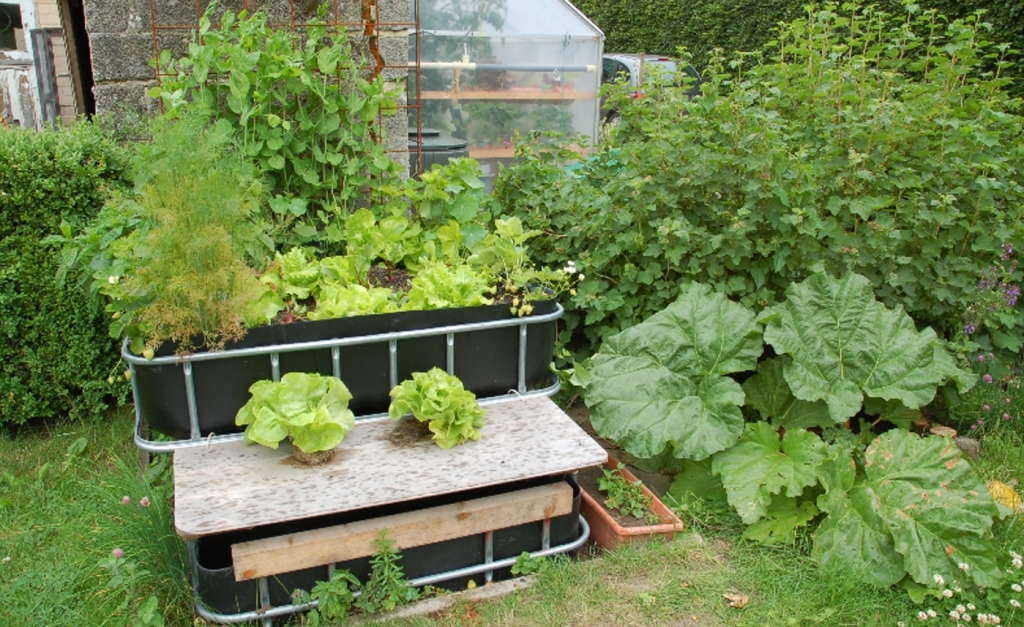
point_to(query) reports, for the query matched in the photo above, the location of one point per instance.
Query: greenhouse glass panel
(495, 69)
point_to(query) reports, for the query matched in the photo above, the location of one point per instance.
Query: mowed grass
(61, 514)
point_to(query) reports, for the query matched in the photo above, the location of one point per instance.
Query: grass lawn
(62, 513)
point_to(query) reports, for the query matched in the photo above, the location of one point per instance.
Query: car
(633, 67)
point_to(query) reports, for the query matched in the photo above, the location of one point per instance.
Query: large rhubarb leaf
(663, 381)
(761, 465)
(845, 345)
(918, 508)
(782, 518)
(768, 393)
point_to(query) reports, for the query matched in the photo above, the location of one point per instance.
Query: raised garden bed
(190, 397)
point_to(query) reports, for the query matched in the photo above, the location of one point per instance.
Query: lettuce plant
(892, 508)
(438, 399)
(310, 409)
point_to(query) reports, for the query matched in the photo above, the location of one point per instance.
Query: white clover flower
(1014, 603)
(971, 607)
(982, 619)
(582, 276)
(947, 593)
(932, 613)
(939, 581)
(113, 279)
(955, 615)
(966, 618)
(1018, 563)
(1016, 556)
(1016, 587)
(901, 624)
(961, 609)
(964, 567)
(922, 615)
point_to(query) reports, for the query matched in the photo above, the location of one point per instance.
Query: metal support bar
(450, 348)
(522, 359)
(336, 361)
(275, 366)
(393, 362)
(489, 555)
(429, 580)
(190, 394)
(545, 536)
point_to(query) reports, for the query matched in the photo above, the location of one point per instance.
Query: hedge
(661, 26)
(55, 355)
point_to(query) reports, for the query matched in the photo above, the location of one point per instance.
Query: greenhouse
(493, 69)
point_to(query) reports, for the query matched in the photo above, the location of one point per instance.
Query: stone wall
(122, 43)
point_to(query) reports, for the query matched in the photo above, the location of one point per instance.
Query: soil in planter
(409, 431)
(588, 478)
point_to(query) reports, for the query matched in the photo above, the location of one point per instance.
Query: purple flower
(117, 553)
(144, 501)
(126, 500)
(968, 328)
(1007, 251)
(986, 408)
(974, 427)
(1006, 400)
(1006, 417)
(987, 379)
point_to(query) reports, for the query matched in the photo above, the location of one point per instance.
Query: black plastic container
(218, 591)
(487, 362)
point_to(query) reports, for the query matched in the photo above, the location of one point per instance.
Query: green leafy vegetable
(846, 345)
(311, 409)
(768, 393)
(762, 465)
(663, 382)
(438, 286)
(438, 398)
(354, 300)
(918, 509)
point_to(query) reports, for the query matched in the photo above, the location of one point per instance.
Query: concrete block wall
(121, 40)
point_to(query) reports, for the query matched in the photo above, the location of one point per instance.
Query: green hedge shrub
(55, 355)
(837, 151)
(661, 26)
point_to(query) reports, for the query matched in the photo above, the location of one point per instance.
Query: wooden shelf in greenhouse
(515, 94)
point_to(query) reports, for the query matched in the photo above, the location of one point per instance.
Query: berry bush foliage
(851, 143)
(818, 430)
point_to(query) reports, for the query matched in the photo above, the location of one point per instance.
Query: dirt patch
(409, 432)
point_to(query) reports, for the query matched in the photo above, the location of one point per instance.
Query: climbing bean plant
(298, 104)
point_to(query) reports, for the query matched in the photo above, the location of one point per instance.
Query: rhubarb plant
(891, 506)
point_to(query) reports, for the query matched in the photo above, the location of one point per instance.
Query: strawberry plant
(892, 507)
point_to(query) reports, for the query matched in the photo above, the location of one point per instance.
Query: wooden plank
(287, 553)
(519, 94)
(492, 152)
(230, 485)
